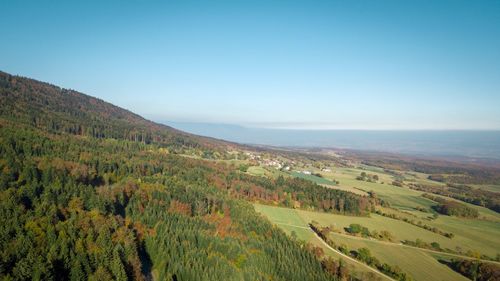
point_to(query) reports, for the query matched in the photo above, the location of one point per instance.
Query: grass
(313, 178)
(289, 221)
(355, 268)
(422, 178)
(402, 198)
(256, 171)
(235, 162)
(469, 235)
(267, 172)
(347, 188)
(472, 234)
(481, 235)
(411, 214)
(398, 197)
(328, 183)
(488, 187)
(420, 265)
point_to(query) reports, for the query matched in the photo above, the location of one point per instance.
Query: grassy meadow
(482, 235)
(420, 264)
(313, 178)
(402, 198)
(469, 234)
(488, 187)
(291, 222)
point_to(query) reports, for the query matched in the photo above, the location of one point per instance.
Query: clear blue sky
(295, 64)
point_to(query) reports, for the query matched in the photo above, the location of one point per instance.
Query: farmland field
(488, 187)
(479, 235)
(398, 197)
(313, 178)
(401, 198)
(291, 222)
(267, 172)
(257, 171)
(419, 264)
(346, 188)
(470, 235)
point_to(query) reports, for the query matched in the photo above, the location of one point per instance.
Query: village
(281, 163)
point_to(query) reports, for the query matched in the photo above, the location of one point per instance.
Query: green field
(481, 235)
(398, 197)
(402, 198)
(347, 188)
(287, 219)
(313, 178)
(267, 172)
(328, 181)
(469, 234)
(291, 222)
(347, 178)
(257, 171)
(358, 270)
(488, 187)
(419, 264)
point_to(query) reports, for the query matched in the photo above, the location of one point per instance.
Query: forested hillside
(57, 110)
(92, 191)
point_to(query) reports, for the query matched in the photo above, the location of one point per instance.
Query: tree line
(476, 196)
(94, 209)
(452, 208)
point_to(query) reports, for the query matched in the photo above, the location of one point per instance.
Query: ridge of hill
(58, 110)
(90, 191)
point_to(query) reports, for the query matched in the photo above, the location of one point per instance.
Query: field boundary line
(350, 258)
(293, 225)
(336, 251)
(417, 248)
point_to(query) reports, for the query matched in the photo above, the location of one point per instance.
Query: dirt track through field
(394, 244)
(340, 253)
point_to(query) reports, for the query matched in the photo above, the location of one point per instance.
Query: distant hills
(447, 143)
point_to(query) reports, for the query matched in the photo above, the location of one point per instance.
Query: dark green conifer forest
(90, 191)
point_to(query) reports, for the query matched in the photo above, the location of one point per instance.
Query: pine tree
(117, 266)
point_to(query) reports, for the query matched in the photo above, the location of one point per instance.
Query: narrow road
(421, 249)
(352, 259)
(340, 253)
(449, 254)
(400, 245)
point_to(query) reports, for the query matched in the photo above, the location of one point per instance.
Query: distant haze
(475, 144)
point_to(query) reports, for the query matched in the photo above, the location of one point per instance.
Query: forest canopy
(92, 192)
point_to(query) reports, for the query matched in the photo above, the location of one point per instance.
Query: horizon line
(301, 128)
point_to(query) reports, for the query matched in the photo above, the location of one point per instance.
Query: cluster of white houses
(277, 164)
